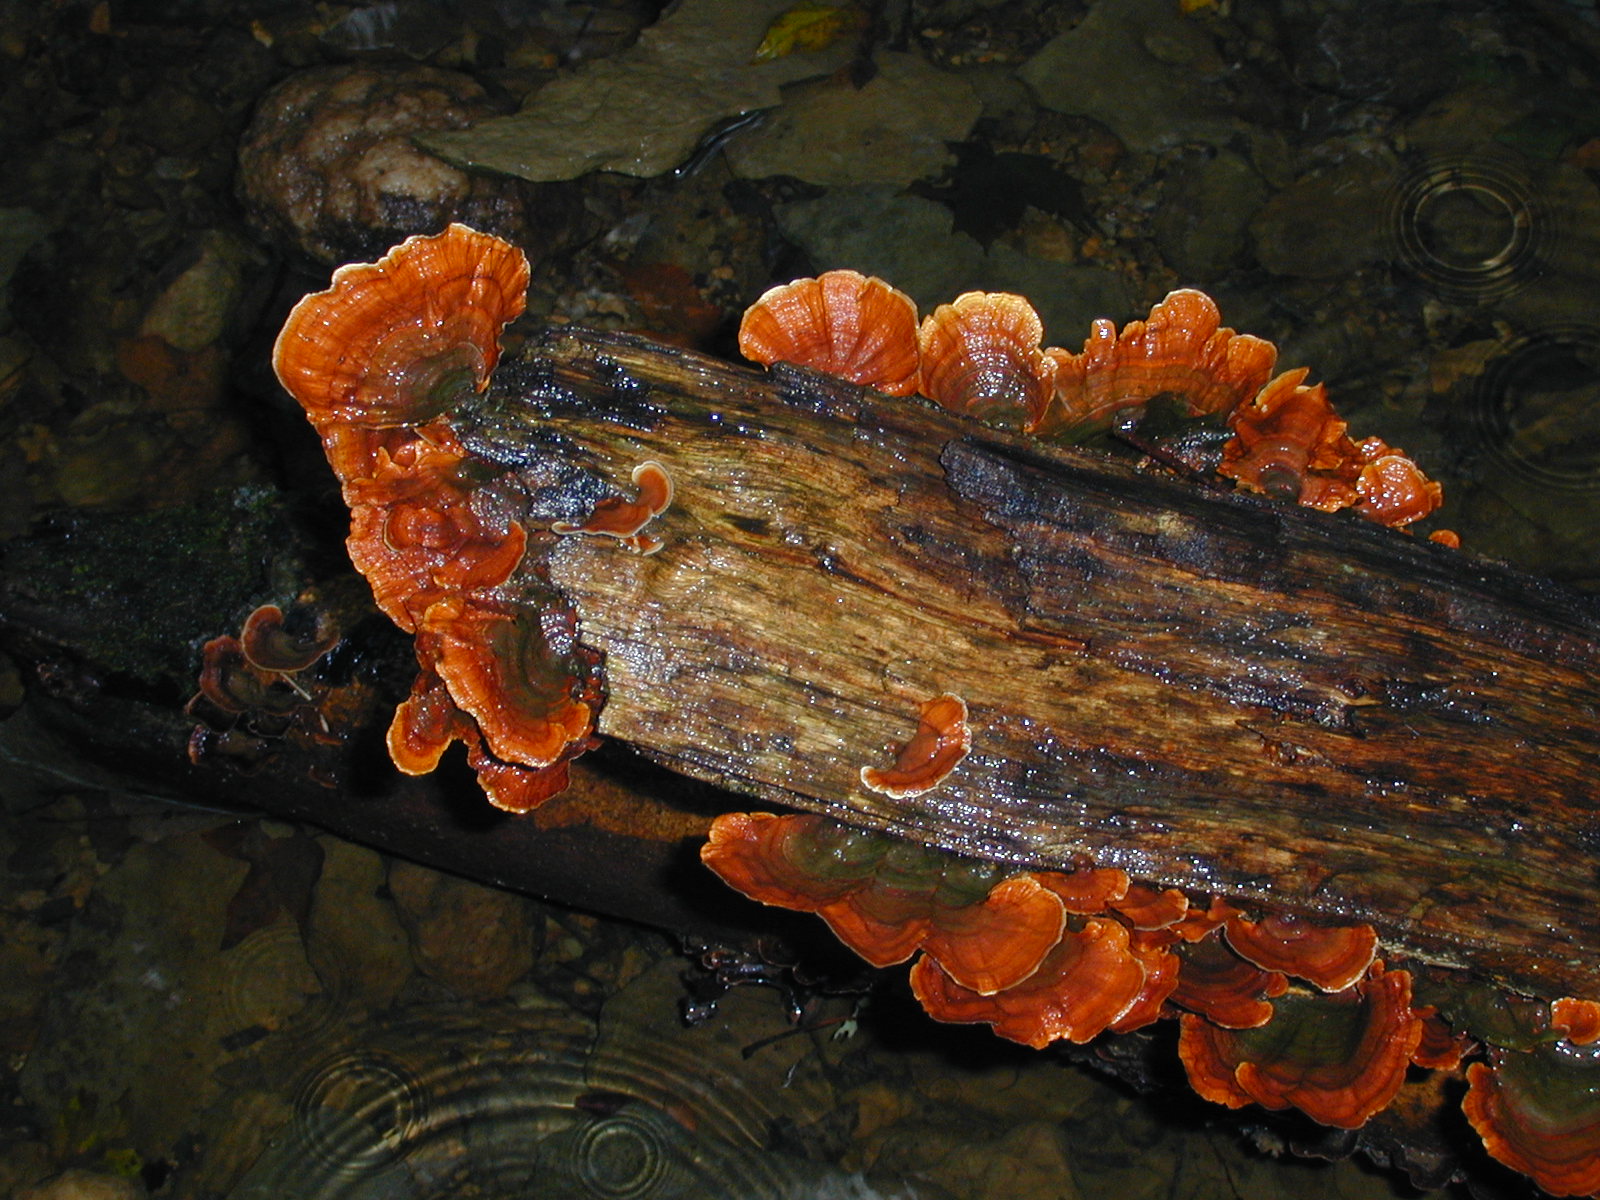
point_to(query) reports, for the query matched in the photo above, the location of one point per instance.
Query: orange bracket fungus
(940, 743)
(271, 643)
(1392, 490)
(1222, 987)
(379, 361)
(1331, 958)
(1338, 1057)
(1288, 442)
(1087, 981)
(1149, 909)
(252, 694)
(886, 898)
(851, 325)
(624, 519)
(1538, 1111)
(234, 684)
(980, 356)
(397, 343)
(1578, 1021)
(1181, 349)
(1439, 1048)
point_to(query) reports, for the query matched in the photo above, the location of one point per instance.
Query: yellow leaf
(809, 25)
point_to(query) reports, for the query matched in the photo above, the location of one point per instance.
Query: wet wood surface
(1210, 690)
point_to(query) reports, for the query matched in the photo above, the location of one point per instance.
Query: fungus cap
(940, 743)
(843, 322)
(404, 339)
(1338, 1057)
(1331, 958)
(1182, 349)
(1538, 1111)
(981, 356)
(1087, 981)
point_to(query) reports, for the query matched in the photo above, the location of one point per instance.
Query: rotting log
(1210, 690)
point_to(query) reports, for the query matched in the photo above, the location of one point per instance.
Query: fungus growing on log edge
(379, 361)
(980, 356)
(1331, 958)
(1538, 1111)
(843, 322)
(1340, 1051)
(272, 642)
(1338, 1057)
(1181, 349)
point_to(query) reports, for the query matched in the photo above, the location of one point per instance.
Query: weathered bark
(1211, 690)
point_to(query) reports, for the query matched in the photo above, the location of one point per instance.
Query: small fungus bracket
(942, 740)
(623, 519)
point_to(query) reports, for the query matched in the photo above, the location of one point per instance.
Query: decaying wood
(1210, 690)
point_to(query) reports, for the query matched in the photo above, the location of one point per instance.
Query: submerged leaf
(809, 25)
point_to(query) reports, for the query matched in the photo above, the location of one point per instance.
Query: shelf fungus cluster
(379, 361)
(1271, 1008)
(259, 688)
(1279, 1011)
(1276, 1011)
(981, 355)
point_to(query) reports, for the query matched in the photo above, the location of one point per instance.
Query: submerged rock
(78, 1184)
(892, 130)
(474, 939)
(643, 111)
(1140, 67)
(329, 164)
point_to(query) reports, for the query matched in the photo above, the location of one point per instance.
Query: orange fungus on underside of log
(886, 898)
(1121, 956)
(1087, 981)
(273, 642)
(1221, 986)
(1578, 1021)
(380, 361)
(1538, 1111)
(1331, 957)
(1338, 1057)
